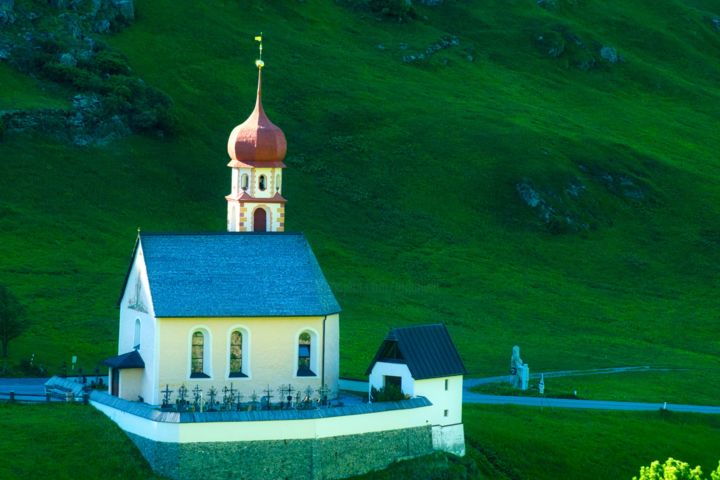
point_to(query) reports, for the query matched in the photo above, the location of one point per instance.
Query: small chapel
(250, 306)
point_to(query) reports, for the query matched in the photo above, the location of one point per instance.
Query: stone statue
(519, 371)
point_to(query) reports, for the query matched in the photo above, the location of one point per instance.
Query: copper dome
(257, 141)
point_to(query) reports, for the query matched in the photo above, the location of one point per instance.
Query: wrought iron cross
(212, 394)
(182, 393)
(196, 393)
(166, 395)
(268, 395)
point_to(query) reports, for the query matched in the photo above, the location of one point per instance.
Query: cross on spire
(259, 62)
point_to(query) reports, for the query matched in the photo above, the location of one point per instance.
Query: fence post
(86, 398)
(69, 397)
(47, 396)
(12, 397)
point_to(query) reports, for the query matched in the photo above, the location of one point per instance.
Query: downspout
(322, 367)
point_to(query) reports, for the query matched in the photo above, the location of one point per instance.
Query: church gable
(235, 275)
(135, 294)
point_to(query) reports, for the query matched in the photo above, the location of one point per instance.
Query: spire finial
(259, 62)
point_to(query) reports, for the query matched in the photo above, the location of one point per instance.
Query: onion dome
(257, 142)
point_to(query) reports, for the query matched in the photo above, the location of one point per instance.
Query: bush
(109, 62)
(389, 393)
(674, 470)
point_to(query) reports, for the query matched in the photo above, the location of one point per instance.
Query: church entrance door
(260, 220)
(114, 382)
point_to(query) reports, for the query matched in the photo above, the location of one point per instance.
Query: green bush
(110, 62)
(674, 470)
(389, 393)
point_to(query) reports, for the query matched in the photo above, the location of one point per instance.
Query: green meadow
(405, 177)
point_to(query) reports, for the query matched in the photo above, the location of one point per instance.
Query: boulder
(68, 59)
(609, 54)
(124, 8)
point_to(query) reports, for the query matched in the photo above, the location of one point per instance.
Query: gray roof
(235, 275)
(427, 350)
(126, 360)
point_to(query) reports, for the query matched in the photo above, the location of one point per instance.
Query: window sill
(199, 375)
(237, 375)
(305, 373)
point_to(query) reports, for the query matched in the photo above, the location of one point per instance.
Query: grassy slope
(591, 445)
(404, 176)
(62, 441)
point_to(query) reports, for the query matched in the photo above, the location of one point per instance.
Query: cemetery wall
(298, 459)
(304, 445)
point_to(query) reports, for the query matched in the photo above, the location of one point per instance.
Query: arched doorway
(260, 220)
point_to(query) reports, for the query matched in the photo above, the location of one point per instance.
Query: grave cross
(323, 391)
(197, 395)
(290, 391)
(182, 395)
(166, 395)
(268, 396)
(212, 394)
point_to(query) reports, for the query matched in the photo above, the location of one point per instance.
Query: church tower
(257, 149)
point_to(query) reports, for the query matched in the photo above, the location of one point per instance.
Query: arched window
(277, 183)
(237, 362)
(262, 183)
(136, 337)
(260, 220)
(199, 358)
(307, 355)
(244, 181)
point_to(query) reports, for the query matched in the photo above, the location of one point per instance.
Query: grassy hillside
(405, 176)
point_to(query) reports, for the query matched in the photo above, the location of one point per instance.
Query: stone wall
(299, 459)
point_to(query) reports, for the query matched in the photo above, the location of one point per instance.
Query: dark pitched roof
(235, 275)
(126, 360)
(427, 350)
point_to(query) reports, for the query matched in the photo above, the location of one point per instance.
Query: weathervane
(259, 62)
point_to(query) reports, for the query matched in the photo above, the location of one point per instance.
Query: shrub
(389, 393)
(109, 62)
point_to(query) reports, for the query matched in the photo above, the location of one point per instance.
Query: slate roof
(126, 360)
(427, 350)
(235, 275)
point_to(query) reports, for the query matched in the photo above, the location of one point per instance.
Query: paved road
(472, 397)
(23, 386)
(480, 398)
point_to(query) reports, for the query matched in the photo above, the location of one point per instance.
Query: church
(249, 306)
(248, 314)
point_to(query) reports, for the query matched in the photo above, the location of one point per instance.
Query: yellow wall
(130, 385)
(272, 349)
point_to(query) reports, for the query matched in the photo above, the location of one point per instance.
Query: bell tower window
(244, 181)
(262, 183)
